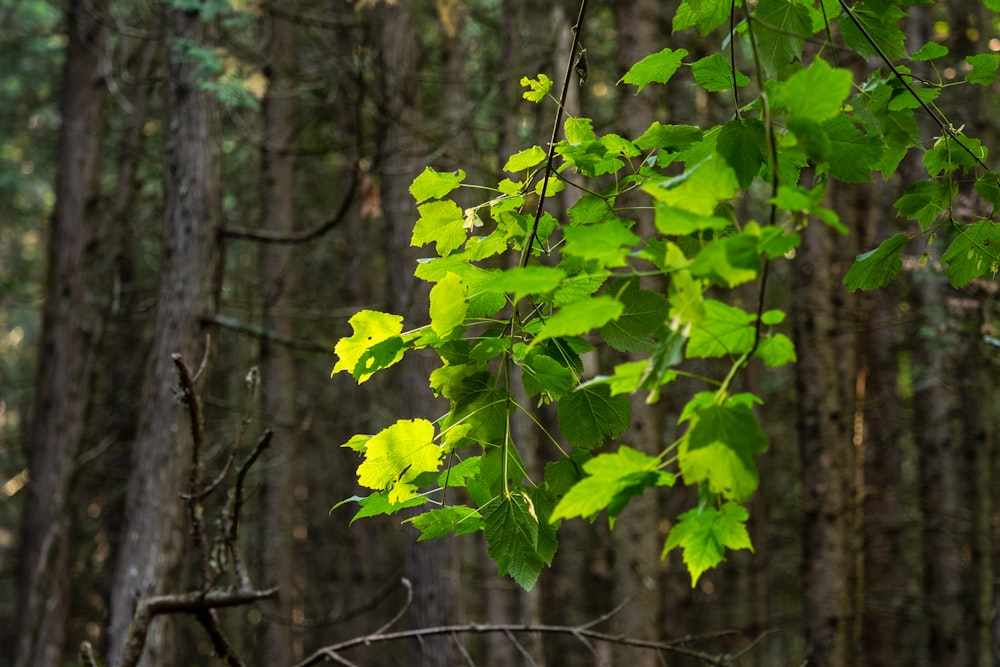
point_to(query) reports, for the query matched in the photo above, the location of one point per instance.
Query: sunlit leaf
(657, 68)
(704, 534)
(877, 267)
(397, 455)
(431, 184)
(370, 328)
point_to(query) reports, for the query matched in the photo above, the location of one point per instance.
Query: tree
(70, 332)
(152, 538)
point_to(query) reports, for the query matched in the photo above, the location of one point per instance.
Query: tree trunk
(70, 328)
(824, 424)
(153, 540)
(279, 384)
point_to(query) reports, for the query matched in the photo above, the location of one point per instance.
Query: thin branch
(402, 610)
(210, 622)
(150, 608)
(234, 324)
(306, 235)
(233, 529)
(473, 628)
(550, 156)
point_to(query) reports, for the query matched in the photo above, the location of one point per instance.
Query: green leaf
(877, 267)
(441, 223)
(432, 184)
(988, 187)
(681, 222)
(644, 314)
(543, 374)
(686, 301)
(699, 189)
(538, 88)
(447, 305)
(924, 201)
(441, 522)
(579, 130)
(522, 281)
(525, 159)
(743, 145)
(879, 20)
(724, 330)
(377, 504)
(671, 138)
(853, 155)
(776, 350)
(728, 261)
(817, 92)
(397, 455)
(657, 68)
(511, 527)
(705, 534)
(783, 27)
(984, 68)
(718, 451)
(590, 414)
(706, 14)
(626, 472)
(714, 73)
(930, 51)
(591, 209)
(948, 156)
(608, 242)
(974, 253)
(370, 328)
(579, 317)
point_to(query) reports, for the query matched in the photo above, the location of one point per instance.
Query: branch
(306, 235)
(189, 603)
(234, 324)
(580, 632)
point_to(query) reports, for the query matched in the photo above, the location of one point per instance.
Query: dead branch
(582, 633)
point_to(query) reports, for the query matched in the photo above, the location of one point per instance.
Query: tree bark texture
(153, 539)
(279, 385)
(824, 417)
(70, 329)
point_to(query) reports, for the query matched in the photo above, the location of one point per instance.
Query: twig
(210, 621)
(150, 608)
(87, 655)
(399, 614)
(473, 628)
(233, 529)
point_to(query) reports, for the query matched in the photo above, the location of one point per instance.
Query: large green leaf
(657, 68)
(590, 414)
(817, 92)
(924, 201)
(783, 27)
(742, 144)
(724, 330)
(699, 189)
(877, 267)
(443, 521)
(397, 455)
(525, 159)
(579, 317)
(608, 242)
(645, 313)
(853, 155)
(879, 20)
(718, 451)
(511, 527)
(704, 534)
(522, 281)
(984, 68)
(543, 374)
(715, 73)
(377, 504)
(706, 14)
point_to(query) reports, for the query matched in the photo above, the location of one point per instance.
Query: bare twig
(332, 652)
(233, 529)
(190, 603)
(399, 614)
(87, 656)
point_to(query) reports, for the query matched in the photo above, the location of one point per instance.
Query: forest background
(231, 181)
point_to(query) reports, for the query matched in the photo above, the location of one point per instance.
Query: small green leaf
(784, 25)
(728, 261)
(657, 68)
(776, 350)
(699, 189)
(975, 253)
(877, 267)
(988, 187)
(924, 201)
(705, 534)
(538, 88)
(707, 15)
(718, 451)
(370, 328)
(441, 223)
(644, 314)
(543, 374)
(930, 51)
(724, 330)
(948, 155)
(432, 184)
(525, 159)
(591, 413)
(853, 154)
(377, 504)
(984, 68)
(879, 20)
(743, 145)
(447, 305)
(397, 455)
(671, 138)
(579, 130)
(714, 73)
(441, 522)
(626, 472)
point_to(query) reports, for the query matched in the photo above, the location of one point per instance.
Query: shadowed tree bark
(70, 329)
(153, 540)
